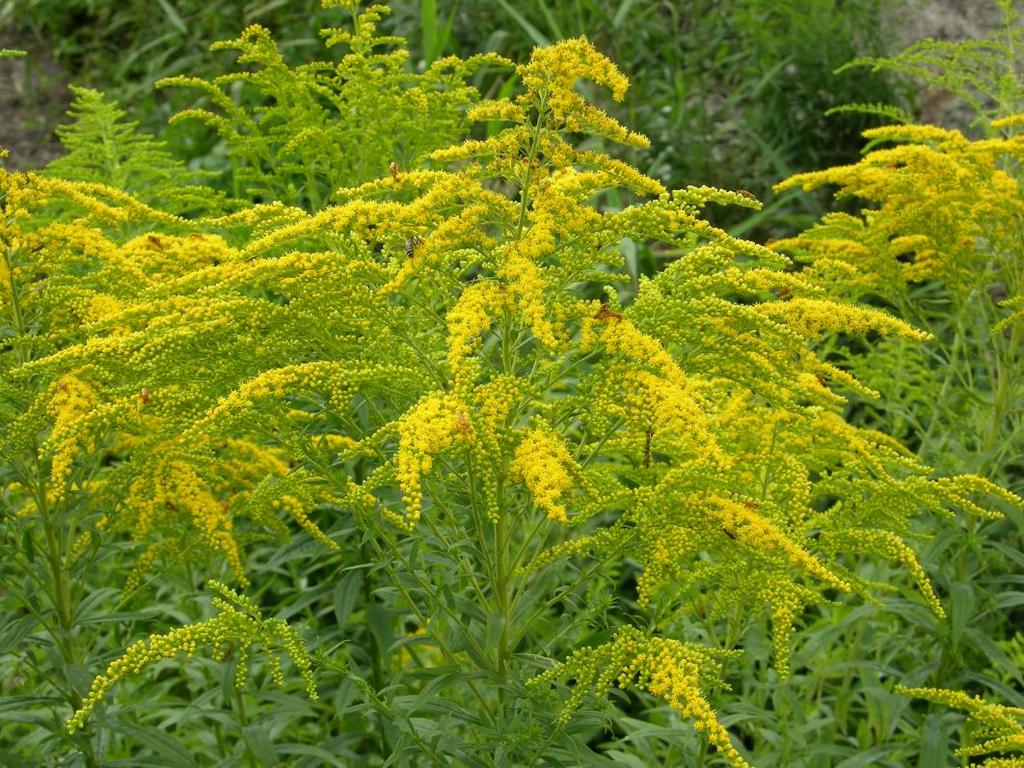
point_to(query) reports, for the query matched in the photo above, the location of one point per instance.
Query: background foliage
(732, 94)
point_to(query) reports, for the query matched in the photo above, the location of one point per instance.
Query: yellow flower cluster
(995, 729)
(474, 312)
(298, 510)
(434, 424)
(333, 379)
(550, 79)
(72, 399)
(942, 207)
(743, 522)
(543, 464)
(673, 671)
(239, 623)
(246, 362)
(526, 284)
(620, 337)
(180, 486)
(1016, 306)
(106, 204)
(887, 544)
(813, 317)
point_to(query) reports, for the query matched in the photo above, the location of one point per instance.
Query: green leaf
(166, 746)
(14, 632)
(934, 746)
(961, 598)
(346, 592)
(260, 744)
(552, 22)
(621, 13)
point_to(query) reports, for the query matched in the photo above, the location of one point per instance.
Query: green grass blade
(172, 16)
(428, 23)
(532, 32)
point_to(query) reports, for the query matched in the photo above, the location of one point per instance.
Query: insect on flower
(606, 312)
(155, 242)
(411, 243)
(647, 447)
(144, 394)
(393, 170)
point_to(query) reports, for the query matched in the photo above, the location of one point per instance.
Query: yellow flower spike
(474, 312)
(505, 111)
(298, 510)
(995, 729)
(941, 206)
(526, 284)
(433, 425)
(71, 401)
(238, 623)
(1016, 306)
(551, 75)
(887, 544)
(678, 673)
(743, 521)
(543, 463)
(621, 337)
(812, 317)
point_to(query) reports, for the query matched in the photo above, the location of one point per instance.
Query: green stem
(501, 590)
(1002, 399)
(524, 194)
(243, 722)
(17, 315)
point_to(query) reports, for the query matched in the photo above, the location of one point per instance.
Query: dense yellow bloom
(433, 425)
(813, 317)
(293, 361)
(552, 74)
(543, 463)
(527, 288)
(941, 206)
(474, 312)
(887, 544)
(72, 400)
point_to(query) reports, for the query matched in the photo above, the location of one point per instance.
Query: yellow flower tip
(638, 140)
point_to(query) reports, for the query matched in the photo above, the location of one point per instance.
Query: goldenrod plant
(298, 133)
(933, 232)
(939, 242)
(415, 403)
(984, 73)
(102, 147)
